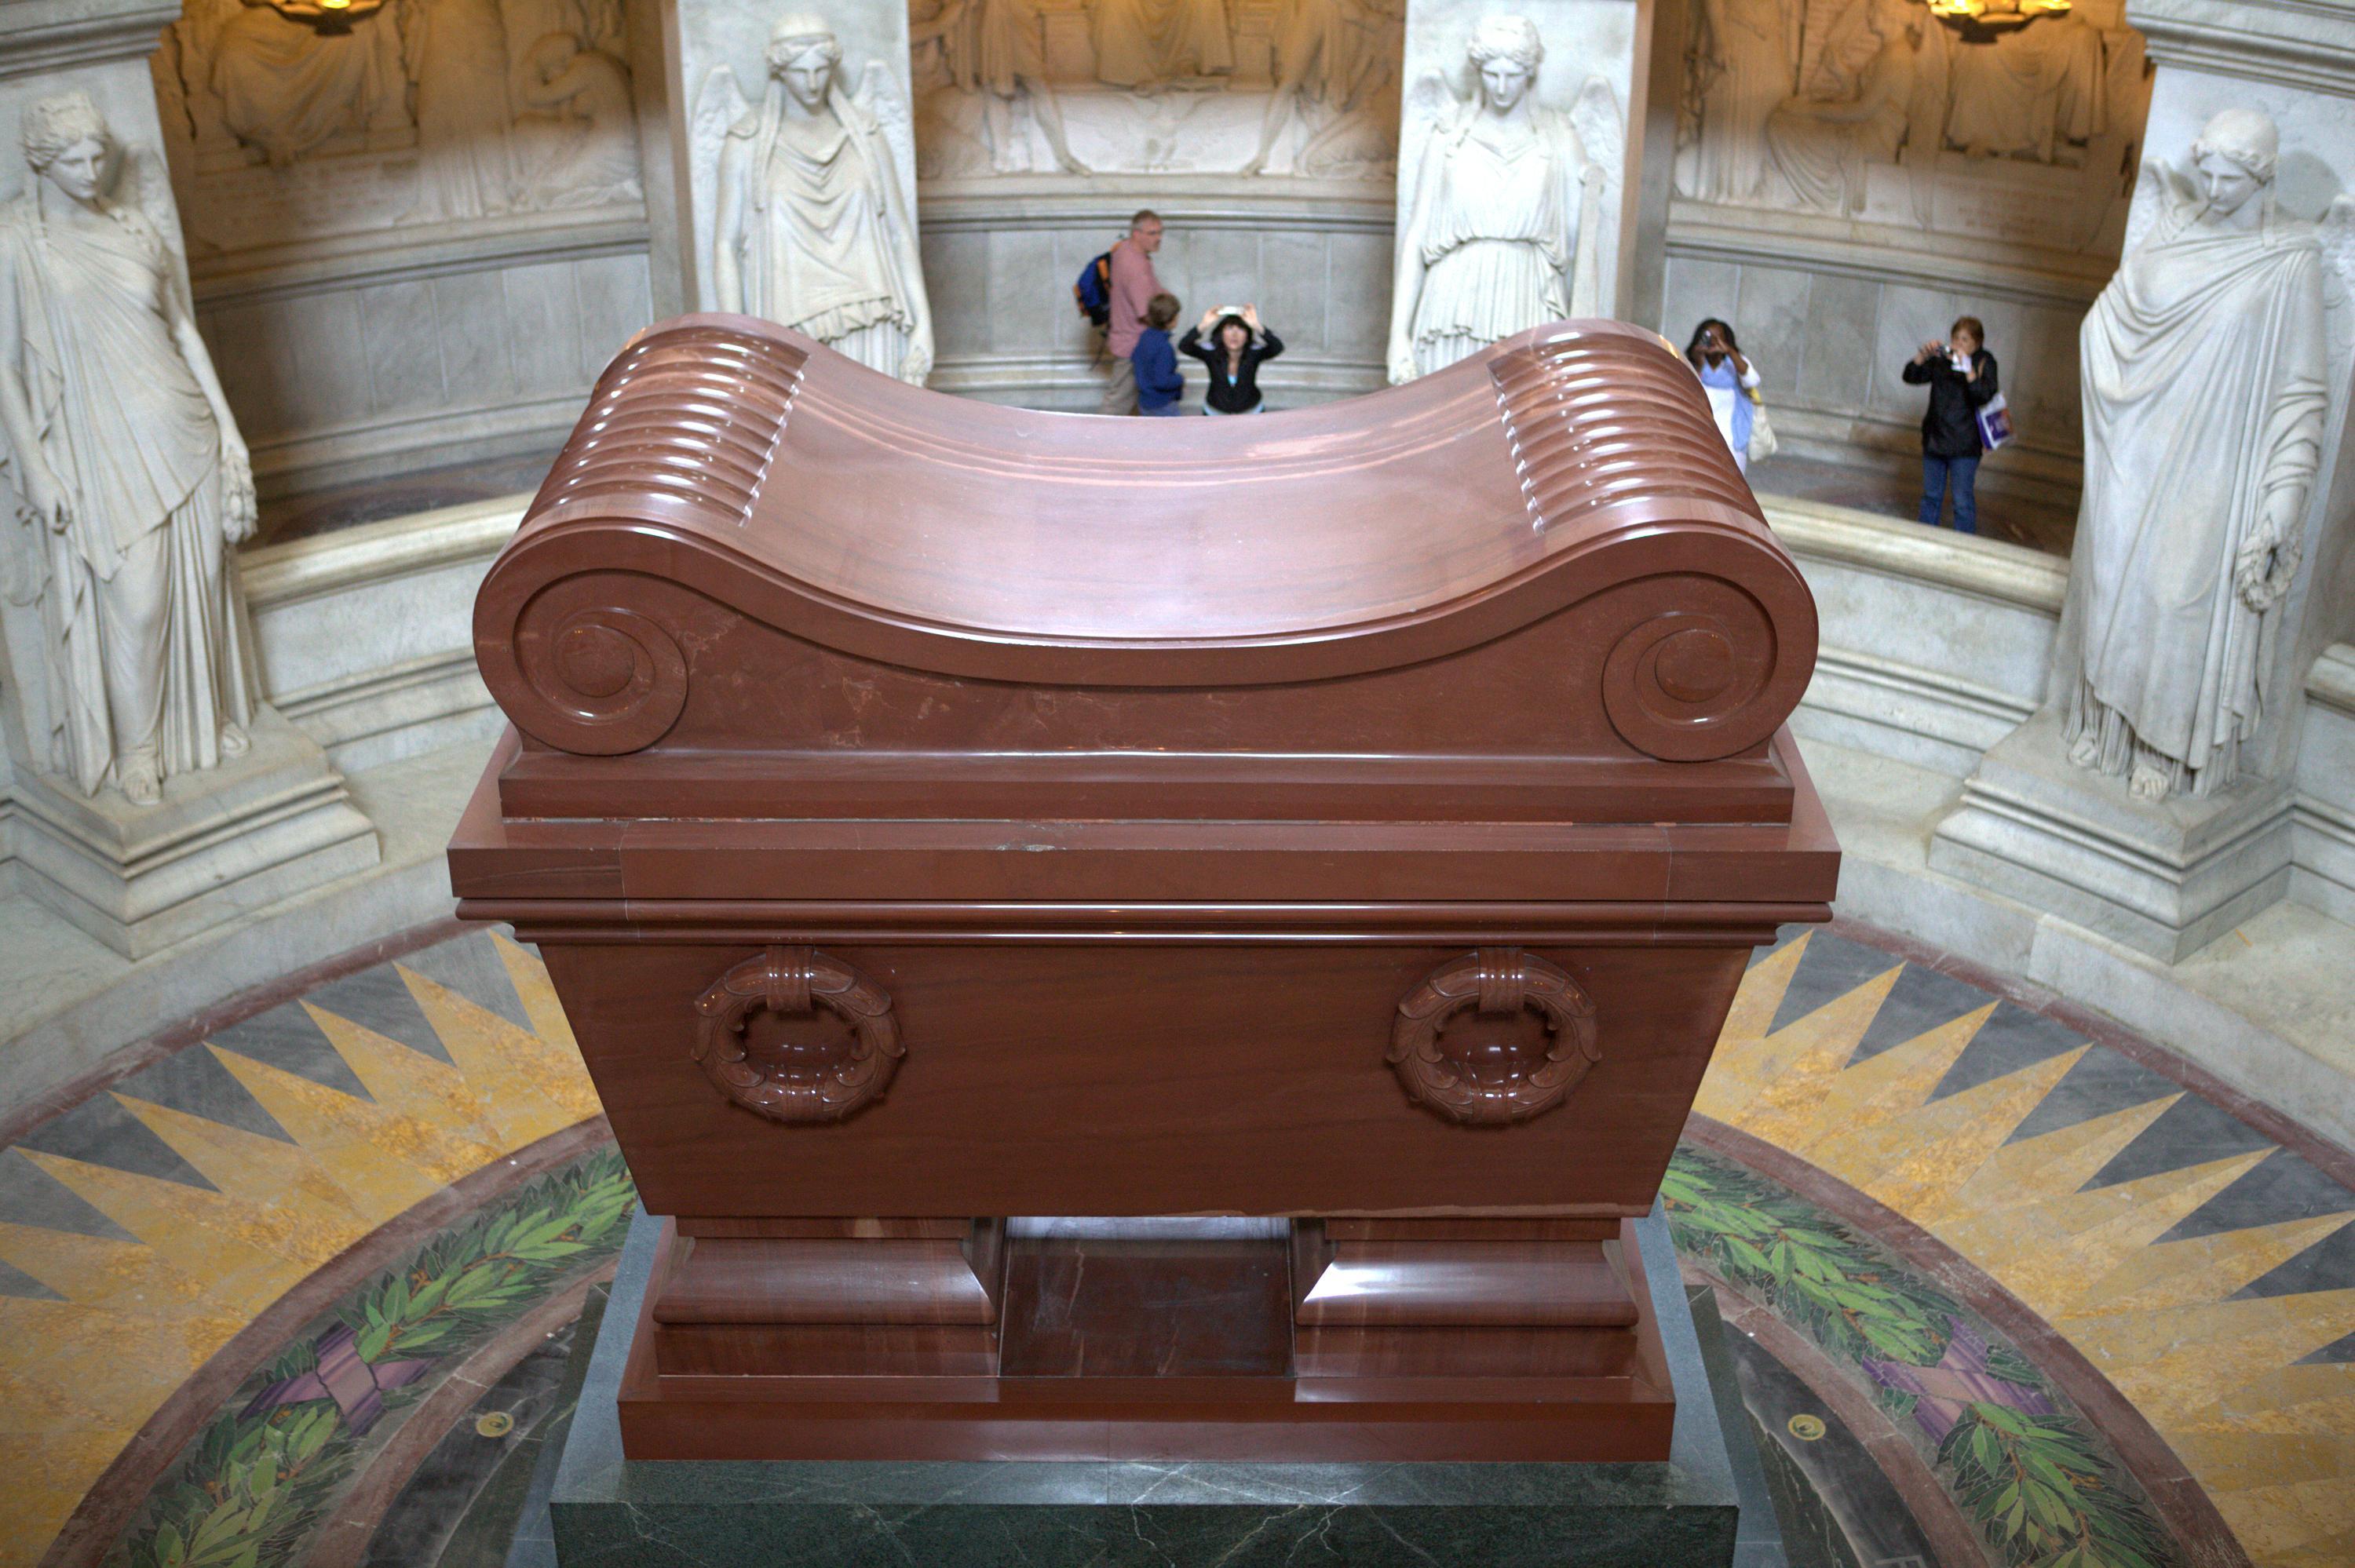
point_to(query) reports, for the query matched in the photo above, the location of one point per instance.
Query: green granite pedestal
(1706, 1508)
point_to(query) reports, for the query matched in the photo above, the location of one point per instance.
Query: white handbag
(1761, 434)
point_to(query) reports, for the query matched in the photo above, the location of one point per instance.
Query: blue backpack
(1092, 292)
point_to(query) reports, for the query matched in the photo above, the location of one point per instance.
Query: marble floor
(2007, 1283)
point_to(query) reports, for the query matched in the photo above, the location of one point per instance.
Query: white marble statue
(2205, 366)
(1503, 205)
(1741, 68)
(811, 227)
(129, 477)
(2037, 91)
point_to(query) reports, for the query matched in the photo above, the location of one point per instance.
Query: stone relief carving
(129, 480)
(2209, 366)
(1742, 71)
(2032, 92)
(284, 86)
(287, 124)
(1287, 87)
(458, 59)
(1506, 207)
(1821, 147)
(994, 49)
(1142, 43)
(811, 227)
(577, 133)
(1335, 69)
(2014, 120)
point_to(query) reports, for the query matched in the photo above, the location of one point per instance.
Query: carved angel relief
(811, 223)
(1507, 207)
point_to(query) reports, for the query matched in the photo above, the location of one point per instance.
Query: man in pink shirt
(1133, 288)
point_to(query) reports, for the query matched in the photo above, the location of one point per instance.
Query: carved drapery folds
(129, 479)
(1508, 205)
(798, 1084)
(813, 227)
(1491, 1083)
(2200, 475)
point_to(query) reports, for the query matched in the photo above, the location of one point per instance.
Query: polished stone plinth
(2164, 877)
(223, 842)
(1706, 1506)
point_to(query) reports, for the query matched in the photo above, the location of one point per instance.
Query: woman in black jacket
(1238, 345)
(1961, 376)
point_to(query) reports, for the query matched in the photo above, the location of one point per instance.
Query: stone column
(2167, 872)
(719, 73)
(250, 812)
(1587, 79)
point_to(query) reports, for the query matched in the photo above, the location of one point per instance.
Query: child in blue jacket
(1159, 383)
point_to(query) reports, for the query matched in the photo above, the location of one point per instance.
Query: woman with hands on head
(1235, 347)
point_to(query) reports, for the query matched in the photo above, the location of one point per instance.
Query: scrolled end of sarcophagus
(1564, 491)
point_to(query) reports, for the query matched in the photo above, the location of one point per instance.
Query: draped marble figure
(1142, 43)
(130, 480)
(811, 228)
(579, 127)
(1501, 229)
(1743, 63)
(2205, 365)
(2031, 91)
(458, 59)
(285, 87)
(1819, 147)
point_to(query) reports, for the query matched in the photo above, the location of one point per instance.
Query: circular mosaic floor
(296, 1285)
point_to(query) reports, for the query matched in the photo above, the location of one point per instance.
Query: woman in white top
(1729, 379)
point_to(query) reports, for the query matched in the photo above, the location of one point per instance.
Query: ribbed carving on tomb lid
(1604, 419)
(691, 414)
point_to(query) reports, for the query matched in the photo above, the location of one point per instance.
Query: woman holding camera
(1731, 382)
(1961, 375)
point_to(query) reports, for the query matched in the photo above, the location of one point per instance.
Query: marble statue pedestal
(223, 842)
(1708, 1504)
(2163, 878)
